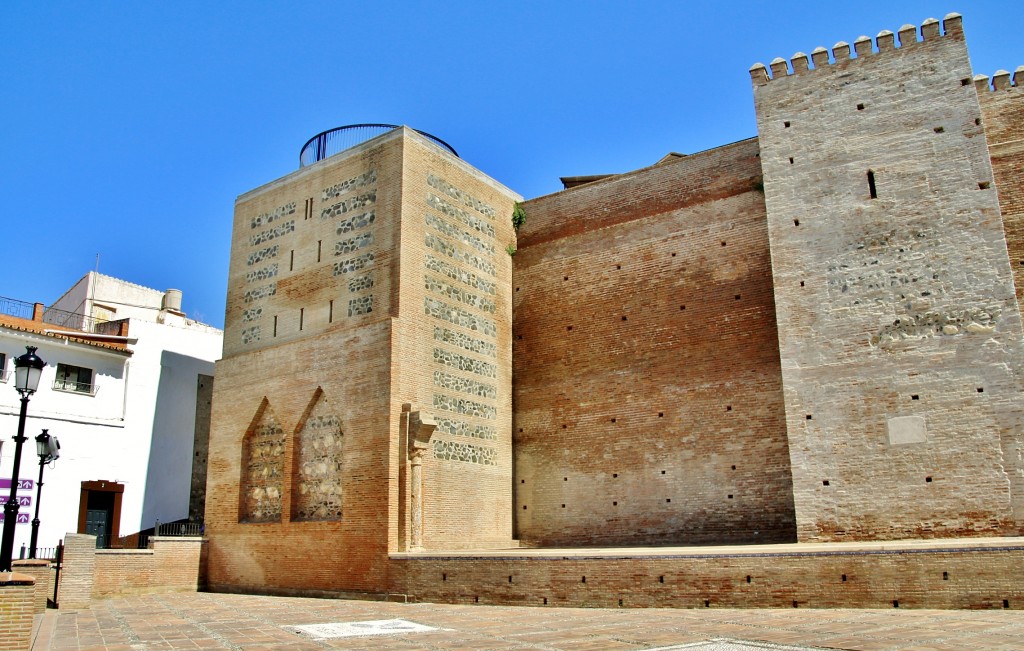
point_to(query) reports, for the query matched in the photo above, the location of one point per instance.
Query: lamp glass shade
(43, 445)
(27, 370)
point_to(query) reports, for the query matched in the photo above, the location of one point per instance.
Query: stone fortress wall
(808, 336)
(899, 332)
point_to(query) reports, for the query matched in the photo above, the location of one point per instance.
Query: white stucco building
(126, 390)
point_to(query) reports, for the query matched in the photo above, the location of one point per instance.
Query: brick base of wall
(16, 611)
(39, 570)
(978, 573)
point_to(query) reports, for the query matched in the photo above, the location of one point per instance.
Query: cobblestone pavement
(228, 621)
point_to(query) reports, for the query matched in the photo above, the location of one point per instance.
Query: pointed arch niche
(261, 484)
(317, 476)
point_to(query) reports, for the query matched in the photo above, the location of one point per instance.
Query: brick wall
(836, 576)
(314, 370)
(77, 571)
(453, 346)
(40, 571)
(16, 611)
(648, 396)
(898, 327)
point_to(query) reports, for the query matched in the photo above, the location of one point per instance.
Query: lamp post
(27, 370)
(48, 449)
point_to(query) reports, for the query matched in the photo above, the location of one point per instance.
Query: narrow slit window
(319, 249)
(302, 316)
(291, 261)
(872, 190)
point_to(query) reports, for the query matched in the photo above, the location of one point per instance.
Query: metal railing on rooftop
(56, 317)
(16, 308)
(337, 140)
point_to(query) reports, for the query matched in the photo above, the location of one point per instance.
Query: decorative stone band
(277, 213)
(444, 247)
(456, 451)
(355, 222)
(353, 244)
(361, 283)
(456, 233)
(445, 208)
(272, 233)
(353, 264)
(465, 342)
(952, 25)
(449, 291)
(1000, 81)
(252, 314)
(464, 385)
(455, 273)
(251, 335)
(258, 293)
(262, 274)
(346, 186)
(463, 363)
(447, 188)
(348, 205)
(472, 430)
(257, 257)
(360, 305)
(458, 316)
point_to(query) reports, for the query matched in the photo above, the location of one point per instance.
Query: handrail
(334, 141)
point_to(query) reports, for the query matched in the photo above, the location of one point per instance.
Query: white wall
(137, 429)
(92, 431)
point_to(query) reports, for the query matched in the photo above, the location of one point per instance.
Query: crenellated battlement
(863, 46)
(1000, 81)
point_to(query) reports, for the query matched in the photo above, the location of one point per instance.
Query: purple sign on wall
(22, 518)
(23, 484)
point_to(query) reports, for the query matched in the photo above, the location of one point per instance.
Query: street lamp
(27, 370)
(48, 449)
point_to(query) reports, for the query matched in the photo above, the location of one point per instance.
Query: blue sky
(128, 129)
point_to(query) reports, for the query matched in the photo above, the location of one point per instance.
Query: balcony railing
(61, 319)
(77, 387)
(337, 140)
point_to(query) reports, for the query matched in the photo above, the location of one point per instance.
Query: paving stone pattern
(254, 623)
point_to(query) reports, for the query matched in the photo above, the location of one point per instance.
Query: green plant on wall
(510, 249)
(518, 216)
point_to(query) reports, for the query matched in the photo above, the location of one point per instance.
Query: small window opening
(275, 326)
(319, 249)
(730, 497)
(1006, 603)
(444, 577)
(915, 397)
(785, 124)
(790, 160)
(748, 578)
(668, 500)
(583, 580)
(809, 417)
(928, 480)
(981, 389)
(563, 506)
(844, 578)
(984, 185)
(728, 407)
(510, 578)
(965, 81)
(872, 190)
(939, 129)
(291, 261)
(796, 222)
(945, 576)
(860, 107)
(737, 297)
(824, 482)
(977, 122)
(895, 603)
(801, 283)
(734, 467)
(330, 311)
(661, 579)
